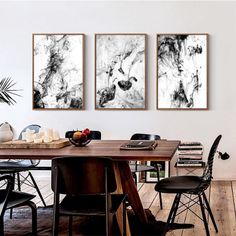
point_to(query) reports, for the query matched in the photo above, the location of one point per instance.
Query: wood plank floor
(221, 195)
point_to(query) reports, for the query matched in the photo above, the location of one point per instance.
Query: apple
(77, 135)
(86, 131)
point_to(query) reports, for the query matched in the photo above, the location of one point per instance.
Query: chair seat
(179, 184)
(40, 168)
(89, 204)
(21, 165)
(15, 198)
(12, 167)
(13, 164)
(140, 168)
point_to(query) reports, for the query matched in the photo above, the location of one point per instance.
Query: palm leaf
(7, 92)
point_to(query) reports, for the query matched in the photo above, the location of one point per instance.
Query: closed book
(190, 161)
(190, 157)
(199, 157)
(189, 164)
(190, 144)
(190, 148)
(190, 152)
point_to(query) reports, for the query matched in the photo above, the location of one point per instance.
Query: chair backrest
(4, 193)
(207, 174)
(32, 127)
(95, 134)
(139, 136)
(82, 175)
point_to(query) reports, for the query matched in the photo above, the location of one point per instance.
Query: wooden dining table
(164, 151)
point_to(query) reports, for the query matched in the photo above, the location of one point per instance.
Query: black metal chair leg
(11, 213)
(172, 213)
(124, 219)
(158, 179)
(33, 207)
(178, 196)
(70, 225)
(135, 178)
(160, 199)
(210, 212)
(37, 189)
(1, 226)
(14, 176)
(18, 181)
(55, 224)
(203, 215)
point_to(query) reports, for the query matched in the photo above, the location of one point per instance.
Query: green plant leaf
(7, 92)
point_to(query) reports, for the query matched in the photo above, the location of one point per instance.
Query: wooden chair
(192, 187)
(88, 184)
(10, 199)
(136, 167)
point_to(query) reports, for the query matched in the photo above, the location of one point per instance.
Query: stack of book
(190, 154)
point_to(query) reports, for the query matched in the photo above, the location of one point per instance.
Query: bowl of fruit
(79, 138)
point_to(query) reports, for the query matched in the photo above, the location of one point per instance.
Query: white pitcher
(6, 133)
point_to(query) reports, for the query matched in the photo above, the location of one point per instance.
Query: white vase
(6, 133)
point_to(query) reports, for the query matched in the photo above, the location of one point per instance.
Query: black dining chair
(89, 185)
(192, 187)
(136, 167)
(10, 199)
(17, 167)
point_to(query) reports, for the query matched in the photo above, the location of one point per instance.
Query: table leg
(119, 213)
(130, 188)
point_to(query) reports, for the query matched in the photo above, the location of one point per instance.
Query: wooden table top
(98, 148)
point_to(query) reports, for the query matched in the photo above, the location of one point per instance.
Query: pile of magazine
(190, 154)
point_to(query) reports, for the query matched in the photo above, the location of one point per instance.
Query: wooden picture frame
(120, 71)
(182, 74)
(58, 71)
(151, 176)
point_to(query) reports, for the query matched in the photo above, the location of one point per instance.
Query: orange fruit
(77, 135)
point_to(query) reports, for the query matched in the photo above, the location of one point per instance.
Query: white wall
(18, 20)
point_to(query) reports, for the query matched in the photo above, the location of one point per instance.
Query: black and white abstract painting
(58, 71)
(182, 71)
(120, 71)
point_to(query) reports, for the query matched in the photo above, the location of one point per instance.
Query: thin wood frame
(82, 67)
(206, 72)
(95, 70)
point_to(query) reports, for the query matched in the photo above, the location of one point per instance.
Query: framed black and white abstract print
(120, 77)
(182, 71)
(58, 71)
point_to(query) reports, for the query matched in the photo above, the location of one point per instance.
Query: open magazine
(139, 145)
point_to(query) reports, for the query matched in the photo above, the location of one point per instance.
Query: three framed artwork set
(120, 71)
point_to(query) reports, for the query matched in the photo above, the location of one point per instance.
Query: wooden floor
(221, 194)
